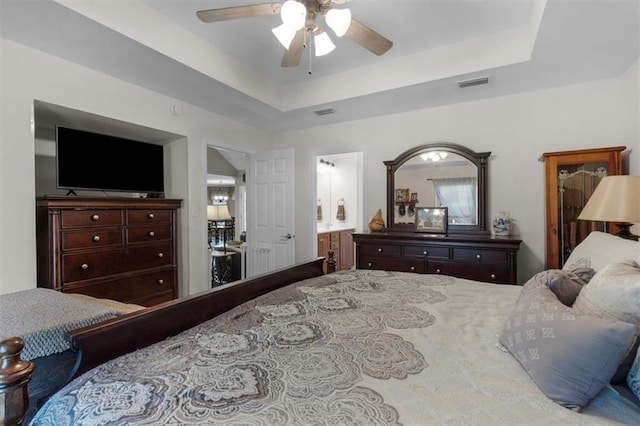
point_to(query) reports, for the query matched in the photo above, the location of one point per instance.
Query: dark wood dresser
(480, 258)
(116, 248)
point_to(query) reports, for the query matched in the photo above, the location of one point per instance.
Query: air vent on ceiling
(325, 111)
(473, 82)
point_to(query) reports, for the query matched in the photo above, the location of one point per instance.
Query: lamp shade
(218, 212)
(323, 44)
(616, 199)
(338, 20)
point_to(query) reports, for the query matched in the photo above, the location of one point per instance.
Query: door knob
(288, 236)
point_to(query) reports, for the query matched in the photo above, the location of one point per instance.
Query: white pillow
(600, 249)
(613, 293)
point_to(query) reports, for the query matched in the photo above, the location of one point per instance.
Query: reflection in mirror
(439, 179)
(438, 175)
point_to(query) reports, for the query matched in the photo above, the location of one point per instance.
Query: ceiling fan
(300, 23)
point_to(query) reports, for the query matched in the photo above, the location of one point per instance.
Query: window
(459, 195)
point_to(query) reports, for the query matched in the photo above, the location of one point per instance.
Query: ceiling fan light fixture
(284, 34)
(293, 14)
(434, 156)
(338, 20)
(323, 44)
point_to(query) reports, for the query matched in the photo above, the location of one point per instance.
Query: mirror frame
(480, 159)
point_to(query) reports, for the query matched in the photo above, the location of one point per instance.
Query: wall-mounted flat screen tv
(93, 161)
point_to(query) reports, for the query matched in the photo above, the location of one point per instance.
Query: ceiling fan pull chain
(310, 56)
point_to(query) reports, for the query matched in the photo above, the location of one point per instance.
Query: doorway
(226, 214)
(339, 206)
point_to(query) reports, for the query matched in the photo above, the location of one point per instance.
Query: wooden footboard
(14, 378)
(101, 342)
(104, 341)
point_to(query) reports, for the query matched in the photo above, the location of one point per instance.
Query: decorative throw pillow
(566, 285)
(570, 357)
(613, 293)
(584, 272)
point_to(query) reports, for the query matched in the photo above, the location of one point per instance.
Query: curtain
(459, 196)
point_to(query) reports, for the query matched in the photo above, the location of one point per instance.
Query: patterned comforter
(355, 347)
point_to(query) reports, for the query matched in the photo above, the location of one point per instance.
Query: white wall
(517, 129)
(29, 75)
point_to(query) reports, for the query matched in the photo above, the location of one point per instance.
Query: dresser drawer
(97, 237)
(476, 257)
(84, 266)
(148, 216)
(83, 218)
(430, 251)
(471, 271)
(480, 255)
(380, 250)
(393, 263)
(136, 289)
(143, 234)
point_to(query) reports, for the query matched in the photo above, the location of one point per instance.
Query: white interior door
(270, 216)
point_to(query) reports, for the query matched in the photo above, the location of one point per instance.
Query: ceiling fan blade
(238, 12)
(368, 38)
(293, 54)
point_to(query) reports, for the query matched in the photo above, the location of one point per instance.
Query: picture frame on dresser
(402, 195)
(433, 220)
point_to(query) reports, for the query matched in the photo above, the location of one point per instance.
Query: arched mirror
(438, 175)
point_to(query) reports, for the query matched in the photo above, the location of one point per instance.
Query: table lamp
(219, 213)
(615, 199)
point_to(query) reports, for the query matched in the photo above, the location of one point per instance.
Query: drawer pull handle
(369, 265)
(478, 256)
(379, 250)
(152, 234)
(151, 215)
(96, 238)
(493, 276)
(413, 269)
(424, 253)
(438, 271)
(95, 217)
(160, 254)
(160, 282)
(84, 266)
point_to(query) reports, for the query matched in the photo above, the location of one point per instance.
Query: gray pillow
(570, 357)
(566, 285)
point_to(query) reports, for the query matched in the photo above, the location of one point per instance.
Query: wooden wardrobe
(570, 179)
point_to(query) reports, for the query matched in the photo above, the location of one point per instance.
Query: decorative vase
(377, 223)
(502, 224)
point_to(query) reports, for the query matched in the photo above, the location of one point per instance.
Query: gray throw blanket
(42, 317)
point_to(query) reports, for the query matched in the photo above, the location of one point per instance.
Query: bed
(42, 318)
(369, 347)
